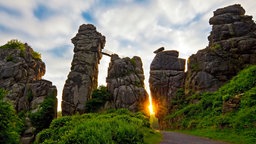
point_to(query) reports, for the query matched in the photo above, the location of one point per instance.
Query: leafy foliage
(121, 126)
(99, 98)
(10, 124)
(36, 55)
(208, 110)
(46, 113)
(16, 44)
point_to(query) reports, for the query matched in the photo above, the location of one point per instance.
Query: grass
(111, 127)
(228, 114)
(152, 137)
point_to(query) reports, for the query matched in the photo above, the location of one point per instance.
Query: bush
(36, 55)
(99, 97)
(113, 127)
(16, 44)
(46, 113)
(10, 124)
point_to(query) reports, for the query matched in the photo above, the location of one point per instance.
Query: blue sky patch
(107, 3)
(59, 51)
(88, 17)
(126, 42)
(42, 12)
(142, 1)
(4, 28)
(10, 11)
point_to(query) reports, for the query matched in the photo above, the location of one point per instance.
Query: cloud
(131, 27)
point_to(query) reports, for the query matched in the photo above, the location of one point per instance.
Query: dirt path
(178, 138)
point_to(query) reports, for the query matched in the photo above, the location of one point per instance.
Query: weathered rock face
(83, 77)
(125, 82)
(166, 77)
(232, 46)
(21, 75)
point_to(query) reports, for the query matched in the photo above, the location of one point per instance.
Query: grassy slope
(204, 114)
(119, 126)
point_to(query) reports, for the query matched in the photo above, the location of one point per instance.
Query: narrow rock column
(166, 77)
(83, 77)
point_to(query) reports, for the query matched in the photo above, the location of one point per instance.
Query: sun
(151, 107)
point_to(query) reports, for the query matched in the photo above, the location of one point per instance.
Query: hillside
(231, 110)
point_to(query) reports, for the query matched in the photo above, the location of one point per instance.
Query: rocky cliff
(21, 71)
(83, 77)
(166, 77)
(232, 47)
(125, 81)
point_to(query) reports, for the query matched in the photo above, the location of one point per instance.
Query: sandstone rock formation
(83, 77)
(166, 77)
(21, 75)
(232, 46)
(125, 81)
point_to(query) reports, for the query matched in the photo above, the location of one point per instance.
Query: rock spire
(83, 77)
(166, 77)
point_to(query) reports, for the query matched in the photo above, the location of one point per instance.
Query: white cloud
(131, 28)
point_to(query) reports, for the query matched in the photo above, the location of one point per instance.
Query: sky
(132, 28)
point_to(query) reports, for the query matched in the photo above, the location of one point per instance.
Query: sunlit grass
(153, 137)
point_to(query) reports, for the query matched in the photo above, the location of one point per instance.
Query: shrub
(9, 58)
(10, 124)
(16, 44)
(215, 47)
(99, 97)
(46, 113)
(36, 55)
(120, 126)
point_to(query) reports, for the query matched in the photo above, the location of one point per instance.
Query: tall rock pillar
(166, 77)
(125, 82)
(83, 77)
